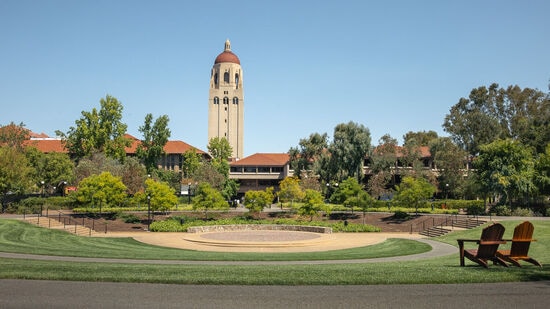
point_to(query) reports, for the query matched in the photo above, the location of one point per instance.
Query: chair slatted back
(490, 233)
(523, 235)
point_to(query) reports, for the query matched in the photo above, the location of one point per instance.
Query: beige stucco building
(226, 101)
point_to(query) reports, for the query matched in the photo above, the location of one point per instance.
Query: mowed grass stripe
(21, 237)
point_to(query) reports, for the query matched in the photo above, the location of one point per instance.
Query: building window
(235, 100)
(216, 78)
(225, 100)
(263, 169)
(250, 169)
(216, 100)
(236, 169)
(226, 77)
(277, 169)
(237, 80)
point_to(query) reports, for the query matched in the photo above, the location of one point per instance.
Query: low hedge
(179, 224)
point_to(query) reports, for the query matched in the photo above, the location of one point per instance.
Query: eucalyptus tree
(493, 113)
(349, 148)
(306, 156)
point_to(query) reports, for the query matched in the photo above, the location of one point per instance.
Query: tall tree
(451, 162)
(495, 113)
(383, 160)
(220, 150)
(351, 144)
(191, 162)
(506, 169)
(420, 138)
(155, 137)
(308, 151)
(98, 131)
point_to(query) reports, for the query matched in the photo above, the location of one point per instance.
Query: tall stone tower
(226, 101)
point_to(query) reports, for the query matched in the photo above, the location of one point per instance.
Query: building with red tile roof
(260, 171)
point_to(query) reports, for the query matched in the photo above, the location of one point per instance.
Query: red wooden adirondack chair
(491, 237)
(523, 236)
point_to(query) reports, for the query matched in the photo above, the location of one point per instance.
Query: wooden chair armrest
(520, 240)
(492, 242)
(467, 240)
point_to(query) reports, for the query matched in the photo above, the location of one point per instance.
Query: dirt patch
(385, 221)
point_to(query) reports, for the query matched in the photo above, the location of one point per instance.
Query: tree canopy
(493, 113)
(506, 169)
(207, 198)
(351, 143)
(104, 190)
(98, 131)
(155, 137)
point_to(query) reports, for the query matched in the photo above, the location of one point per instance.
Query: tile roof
(46, 145)
(171, 147)
(263, 159)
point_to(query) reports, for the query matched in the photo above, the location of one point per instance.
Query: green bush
(501, 210)
(129, 218)
(522, 212)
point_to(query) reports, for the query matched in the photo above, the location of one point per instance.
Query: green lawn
(19, 237)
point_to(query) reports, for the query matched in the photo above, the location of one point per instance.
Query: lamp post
(148, 212)
(42, 195)
(446, 193)
(189, 193)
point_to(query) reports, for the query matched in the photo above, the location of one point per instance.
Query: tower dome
(227, 55)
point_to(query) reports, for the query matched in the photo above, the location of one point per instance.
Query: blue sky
(392, 66)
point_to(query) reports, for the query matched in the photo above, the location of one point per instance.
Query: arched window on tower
(225, 100)
(216, 78)
(237, 80)
(235, 100)
(226, 77)
(216, 100)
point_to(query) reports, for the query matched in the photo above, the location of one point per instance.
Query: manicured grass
(21, 237)
(436, 270)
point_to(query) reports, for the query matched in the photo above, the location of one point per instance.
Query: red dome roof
(227, 56)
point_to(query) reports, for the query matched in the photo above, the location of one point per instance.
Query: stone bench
(259, 227)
